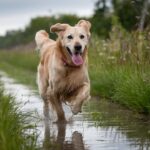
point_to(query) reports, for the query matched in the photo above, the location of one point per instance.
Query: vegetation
(21, 65)
(15, 127)
(121, 71)
(14, 38)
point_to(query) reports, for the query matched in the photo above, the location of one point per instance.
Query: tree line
(130, 14)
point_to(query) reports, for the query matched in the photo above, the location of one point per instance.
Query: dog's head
(74, 39)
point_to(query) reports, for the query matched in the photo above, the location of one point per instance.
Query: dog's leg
(83, 94)
(56, 104)
(46, 110)
(60, 111)
(42, 85)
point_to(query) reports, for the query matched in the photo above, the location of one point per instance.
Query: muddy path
(107, 127)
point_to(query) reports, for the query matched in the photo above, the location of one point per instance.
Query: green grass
(14, 126)
(120, 75)
(20, 65)
(125, 86)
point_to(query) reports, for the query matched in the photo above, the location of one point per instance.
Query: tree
(101, 18)
(132, 14)
(144, 14)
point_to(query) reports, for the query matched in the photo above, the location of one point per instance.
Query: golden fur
(59, 78)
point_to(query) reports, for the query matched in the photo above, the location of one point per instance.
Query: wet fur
(57, 82)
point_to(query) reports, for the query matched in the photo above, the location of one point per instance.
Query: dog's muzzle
(76, 56)
(78, 49)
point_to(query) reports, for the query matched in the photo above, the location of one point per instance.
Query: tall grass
(120, 68)
(14, 126)
(21, 65)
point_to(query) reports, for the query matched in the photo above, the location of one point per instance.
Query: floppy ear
(59, 28)
(86, 25)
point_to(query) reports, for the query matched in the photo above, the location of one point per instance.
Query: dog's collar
(66, 64)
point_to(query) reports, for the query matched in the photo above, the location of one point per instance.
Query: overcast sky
(16, 14)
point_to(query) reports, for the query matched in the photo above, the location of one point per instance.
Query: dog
(63, 69)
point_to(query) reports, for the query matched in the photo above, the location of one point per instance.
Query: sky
(16, 14)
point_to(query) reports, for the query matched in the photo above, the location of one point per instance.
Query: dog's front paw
(76, 109)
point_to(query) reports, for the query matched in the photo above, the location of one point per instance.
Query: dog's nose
(78, 48)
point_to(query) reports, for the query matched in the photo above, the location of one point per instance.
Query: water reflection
(59, 142)
(108, 127)
(132, 129)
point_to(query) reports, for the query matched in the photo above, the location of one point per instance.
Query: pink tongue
(77, 59)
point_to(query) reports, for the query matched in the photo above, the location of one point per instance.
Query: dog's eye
(82, 36)
(70, 37)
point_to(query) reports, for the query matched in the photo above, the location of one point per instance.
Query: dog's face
(74, 39)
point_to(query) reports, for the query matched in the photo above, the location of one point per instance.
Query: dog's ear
(86, 25)
(59, 28)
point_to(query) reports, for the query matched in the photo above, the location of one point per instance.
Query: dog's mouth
(75, 57)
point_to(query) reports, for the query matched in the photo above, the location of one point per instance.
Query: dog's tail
(41, 37)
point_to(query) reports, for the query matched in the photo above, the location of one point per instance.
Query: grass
(14, 126)
(121, 72)
(20, 65)
(119, 68)
(125, 86)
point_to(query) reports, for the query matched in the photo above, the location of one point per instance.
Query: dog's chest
(68, 80)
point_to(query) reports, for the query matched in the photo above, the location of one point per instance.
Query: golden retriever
(63, 69)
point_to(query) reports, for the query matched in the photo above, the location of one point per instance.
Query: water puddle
(108, 127)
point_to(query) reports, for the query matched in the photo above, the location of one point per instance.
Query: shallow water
(108, 127)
